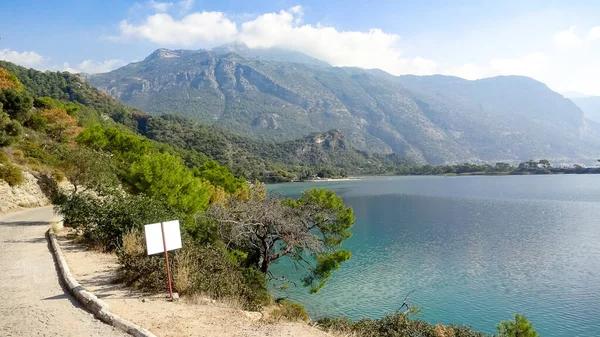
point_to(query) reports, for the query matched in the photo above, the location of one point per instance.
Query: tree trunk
(266, 261)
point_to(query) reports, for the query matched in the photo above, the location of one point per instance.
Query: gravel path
(32, 301)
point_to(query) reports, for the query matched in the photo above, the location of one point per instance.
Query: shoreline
(328, 179)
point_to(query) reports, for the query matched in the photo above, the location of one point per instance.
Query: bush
(520, 327)
(290, 310)
(10, 130)
(11, 174)
(37, 122)
(394, 325)
(195, 269)
(105, 221)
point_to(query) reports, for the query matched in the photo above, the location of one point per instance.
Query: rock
(28, 194)
(253, 316)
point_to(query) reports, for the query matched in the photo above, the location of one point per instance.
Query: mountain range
(590, 106)
(281, 95)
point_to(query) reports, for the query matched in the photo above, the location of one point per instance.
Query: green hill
(324, 154)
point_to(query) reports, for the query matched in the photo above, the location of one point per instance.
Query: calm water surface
(475, 250)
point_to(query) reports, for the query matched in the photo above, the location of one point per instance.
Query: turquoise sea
(474, 250)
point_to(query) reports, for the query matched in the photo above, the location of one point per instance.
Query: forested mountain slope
(435, 119)
(325, 153)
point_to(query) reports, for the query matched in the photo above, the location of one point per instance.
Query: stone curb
(96, 306)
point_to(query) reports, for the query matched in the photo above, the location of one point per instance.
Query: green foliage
(105, 220)
(398, 324)
(63, 86)
(165, 177)
(17, 104)
(10, 129)
(115, 141)
(519, 327)
(89, 170)
(218, 175)
(11, 174)
(290, 310)
(37, 122)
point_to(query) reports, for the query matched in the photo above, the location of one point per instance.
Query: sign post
(162, 237)
(162, 229)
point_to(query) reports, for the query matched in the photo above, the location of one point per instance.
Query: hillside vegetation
(426, 119)
(122, 180)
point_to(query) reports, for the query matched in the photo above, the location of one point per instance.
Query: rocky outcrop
(33, 192)
(27, 194)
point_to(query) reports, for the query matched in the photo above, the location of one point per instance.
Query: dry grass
(56, 226)
(182, 273)
(132, 243)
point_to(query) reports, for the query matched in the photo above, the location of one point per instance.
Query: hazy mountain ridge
(436, 119)
(590, 106)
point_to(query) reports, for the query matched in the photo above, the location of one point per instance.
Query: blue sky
(556, 42)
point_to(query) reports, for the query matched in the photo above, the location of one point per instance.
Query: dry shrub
(11, 174)
(443, 331)
(57, 175)
(197, 269)
(291, 311)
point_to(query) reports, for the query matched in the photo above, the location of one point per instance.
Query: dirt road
(32, 301)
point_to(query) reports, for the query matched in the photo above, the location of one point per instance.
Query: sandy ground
(96, 272)
(32, 301)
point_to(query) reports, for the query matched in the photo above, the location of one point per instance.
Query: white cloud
(367, 49)
(528, 65)
(544, 52)
(186, 5)
(160, 6)
(94, 67)
(594, 34)
(568, 38)
(26, 58)
(190, 30)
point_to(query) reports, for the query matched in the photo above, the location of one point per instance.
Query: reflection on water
(475, 250)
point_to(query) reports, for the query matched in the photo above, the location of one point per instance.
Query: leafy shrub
(11, 174)
(105, 220)
(290, 310)
(3, 157)
(37, 122)
(520, 327)
(17, 103)
(10, 129)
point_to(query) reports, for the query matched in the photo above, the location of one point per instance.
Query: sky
(555, 42)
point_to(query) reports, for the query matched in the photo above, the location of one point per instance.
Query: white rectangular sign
(154, 239)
